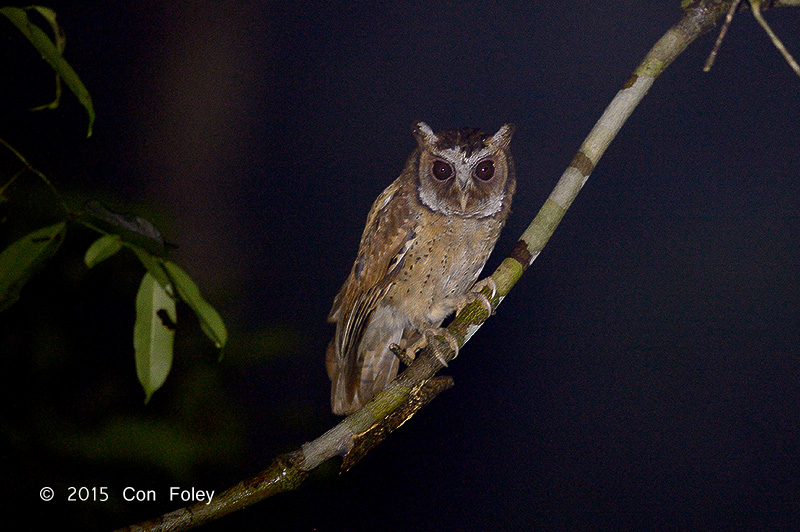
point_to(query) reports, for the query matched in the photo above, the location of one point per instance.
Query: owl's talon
(478, 295)
(485, 302)
(483, 283)
(406, 356)
(432, 333)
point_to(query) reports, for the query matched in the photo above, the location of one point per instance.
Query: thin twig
(11, 181)
(33, 169)
(756, 6)
(725, 25)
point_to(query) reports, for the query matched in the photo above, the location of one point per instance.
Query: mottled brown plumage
(428, 236)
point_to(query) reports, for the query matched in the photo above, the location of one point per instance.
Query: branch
(354, 436)
(281, 475)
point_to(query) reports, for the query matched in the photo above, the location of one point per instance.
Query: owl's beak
(463, 185)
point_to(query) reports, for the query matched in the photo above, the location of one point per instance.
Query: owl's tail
(354, 382)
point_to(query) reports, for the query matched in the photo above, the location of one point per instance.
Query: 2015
(84, 494)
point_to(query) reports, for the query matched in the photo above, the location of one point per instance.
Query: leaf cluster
(32, 242)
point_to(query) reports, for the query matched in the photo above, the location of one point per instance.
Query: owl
(428, 236)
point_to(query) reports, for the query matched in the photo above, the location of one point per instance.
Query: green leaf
(155, 267)
(153, 334)
(24, 257)
(131, 227)
(50, 16)
(210, 320)
(102, 248)
(60, 42)
(51, 53)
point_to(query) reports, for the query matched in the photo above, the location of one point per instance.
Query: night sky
(644, 374)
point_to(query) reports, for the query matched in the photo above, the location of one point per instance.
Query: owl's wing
(389, 233)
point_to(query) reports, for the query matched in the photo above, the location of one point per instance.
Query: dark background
(644, 373)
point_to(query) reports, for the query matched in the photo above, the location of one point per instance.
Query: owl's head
(465, 172)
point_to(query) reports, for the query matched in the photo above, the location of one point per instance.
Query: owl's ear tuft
(424, 135)
(501, 139)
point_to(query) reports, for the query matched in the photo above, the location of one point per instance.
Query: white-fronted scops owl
(428, 236)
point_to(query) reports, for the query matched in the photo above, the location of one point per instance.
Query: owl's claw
(431, 333)
(483, 283)
(477, 295)
(408, 354)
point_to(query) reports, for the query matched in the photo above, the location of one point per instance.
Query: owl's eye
(442, 170)
(485, 170)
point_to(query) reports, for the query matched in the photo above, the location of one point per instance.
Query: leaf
(51, 52)
(155, 267)
(131, 227)
(102, 248)
(153, 334)
(20, 260)
(60, 42)
(50, 16)
(210, 320)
